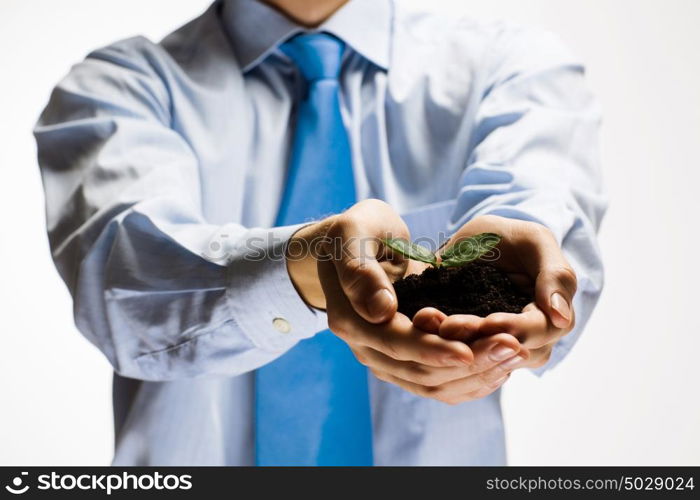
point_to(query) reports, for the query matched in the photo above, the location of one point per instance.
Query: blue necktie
(312, 403)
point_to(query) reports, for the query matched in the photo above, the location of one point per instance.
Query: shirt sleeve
(163, 293)
(535, 156)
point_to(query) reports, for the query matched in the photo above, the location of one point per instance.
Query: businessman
(188, 185)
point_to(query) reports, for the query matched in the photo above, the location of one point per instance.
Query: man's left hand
(531, 257)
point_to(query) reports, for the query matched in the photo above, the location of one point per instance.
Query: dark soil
(476, 288)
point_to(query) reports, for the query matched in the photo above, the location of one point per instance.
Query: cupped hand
(352, 243)
(403, 353)
(530, 255)
(340, 265)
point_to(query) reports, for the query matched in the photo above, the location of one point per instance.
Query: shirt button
(281, 325)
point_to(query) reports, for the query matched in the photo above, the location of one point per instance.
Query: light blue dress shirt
(163, 166)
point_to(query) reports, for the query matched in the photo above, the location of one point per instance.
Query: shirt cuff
(262, 298)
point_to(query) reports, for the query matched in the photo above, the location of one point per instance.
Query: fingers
(495, 358)
(464, 327)
(485, 390)
(429, 319)
(531, 327)
(539, 357)
(503, 350)
(410, 371)
(397, 338)
(456, 391)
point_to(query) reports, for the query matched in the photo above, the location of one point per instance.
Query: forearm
(160, 312)
(159, 289)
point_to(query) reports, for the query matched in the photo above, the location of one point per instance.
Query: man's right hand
(351, 241)
(341, 265)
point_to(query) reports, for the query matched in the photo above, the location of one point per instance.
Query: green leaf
(469, 249)
(411, 250)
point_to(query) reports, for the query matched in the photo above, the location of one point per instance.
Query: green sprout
(461, 253)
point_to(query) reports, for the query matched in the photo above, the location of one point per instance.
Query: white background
(628, 393)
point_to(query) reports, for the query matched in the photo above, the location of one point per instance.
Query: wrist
(302, 253)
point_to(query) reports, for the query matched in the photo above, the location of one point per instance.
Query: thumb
(554, 294)
(365, 283)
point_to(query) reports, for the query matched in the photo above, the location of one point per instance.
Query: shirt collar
(256, 29)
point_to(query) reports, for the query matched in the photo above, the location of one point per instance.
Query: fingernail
(381, 303)
(499, 352)
(512, 362)
(560, 305)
